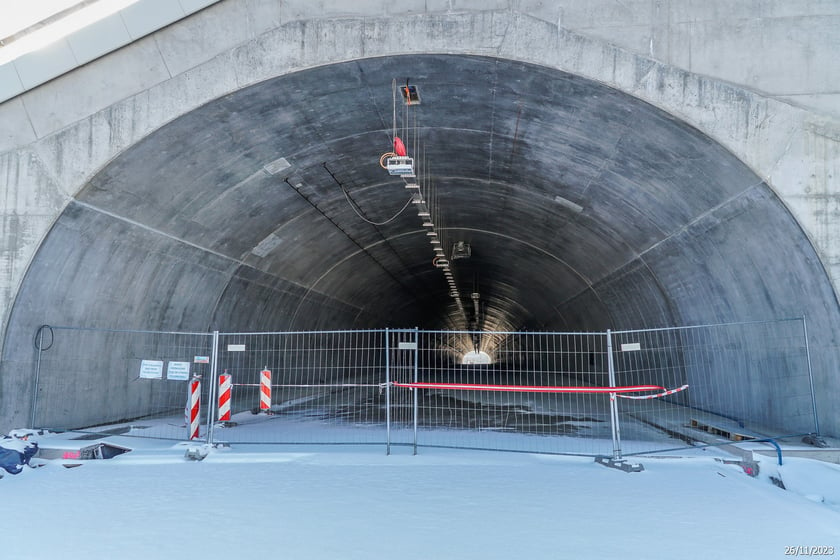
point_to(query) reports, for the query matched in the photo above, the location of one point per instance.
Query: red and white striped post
(194, 407)
(265, 390)
(225, 386)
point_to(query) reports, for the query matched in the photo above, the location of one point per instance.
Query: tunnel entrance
(544, 392)
(561, 203)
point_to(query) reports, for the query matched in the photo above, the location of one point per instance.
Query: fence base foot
(266, 411)
(620, 464)
(196, 452)
(749, 467)
(815, 440)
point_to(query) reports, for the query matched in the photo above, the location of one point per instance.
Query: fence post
(214, 364)
(40, 347)
(387, 392)
(416, 379)
(616, 430)
(810, 378)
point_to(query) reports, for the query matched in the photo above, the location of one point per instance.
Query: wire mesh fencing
(592, 394)
(531, 395)
(118, 381)
(744, 381)
(305, 387)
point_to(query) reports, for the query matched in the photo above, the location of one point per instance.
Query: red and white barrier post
(225, 386)
(194, 407)
(265, 390)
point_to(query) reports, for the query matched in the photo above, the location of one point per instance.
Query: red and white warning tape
(656, 396)
(540, 389)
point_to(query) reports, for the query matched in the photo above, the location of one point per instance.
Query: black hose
(38, 341)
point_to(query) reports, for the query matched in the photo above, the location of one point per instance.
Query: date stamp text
(809, 550)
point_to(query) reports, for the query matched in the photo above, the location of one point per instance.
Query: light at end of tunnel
(476, 358)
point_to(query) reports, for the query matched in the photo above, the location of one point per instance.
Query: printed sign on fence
(178, 371)
(151, 369)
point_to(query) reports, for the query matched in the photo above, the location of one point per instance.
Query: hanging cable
(385, 156)
(355, 207)
(394, 93)
(396, 143)
(358, 212)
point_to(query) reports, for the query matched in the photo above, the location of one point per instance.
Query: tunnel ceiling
(582, 206)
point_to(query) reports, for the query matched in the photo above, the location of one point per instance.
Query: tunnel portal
(558, 204)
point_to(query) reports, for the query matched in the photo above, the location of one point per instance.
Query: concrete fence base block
(620, 464)
(197, 452)
(815, 440)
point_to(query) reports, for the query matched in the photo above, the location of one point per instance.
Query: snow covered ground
(347, 502)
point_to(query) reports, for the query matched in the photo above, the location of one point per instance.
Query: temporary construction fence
(595, 394)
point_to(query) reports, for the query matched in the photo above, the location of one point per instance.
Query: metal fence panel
(744, 379)
(325, 387)
(516, 391)
(144, 375)
(537, 420)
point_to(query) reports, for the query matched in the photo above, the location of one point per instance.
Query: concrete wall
(54, 138)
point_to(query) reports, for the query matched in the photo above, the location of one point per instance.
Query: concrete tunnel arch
(585, 208)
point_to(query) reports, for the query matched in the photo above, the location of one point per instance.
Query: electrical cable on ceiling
(355, 207)
(358, 211)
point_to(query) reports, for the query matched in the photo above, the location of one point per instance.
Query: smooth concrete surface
(702, 201)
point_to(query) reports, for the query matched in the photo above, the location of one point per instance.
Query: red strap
(530, 388)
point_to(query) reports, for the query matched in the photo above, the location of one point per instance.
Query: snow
(357, 502)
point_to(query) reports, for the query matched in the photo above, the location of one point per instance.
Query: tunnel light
(417, 199)
(423, 213)
(435, 241)
(431, 233)
(576, 208)
(276, 166)
(428, 223)
(411, 186)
